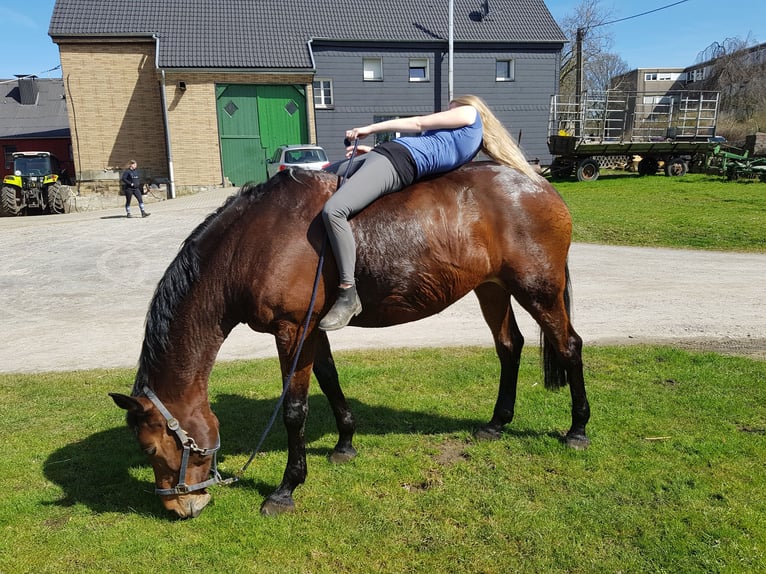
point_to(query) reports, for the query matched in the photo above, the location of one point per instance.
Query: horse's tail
(554, 370)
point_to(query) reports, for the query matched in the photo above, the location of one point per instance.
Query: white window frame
(510, 70)
(372, 69)
(420, 64)
(323, 94)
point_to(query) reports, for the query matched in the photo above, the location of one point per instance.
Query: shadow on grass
(96, 471)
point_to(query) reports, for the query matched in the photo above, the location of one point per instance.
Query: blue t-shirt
(439, 151)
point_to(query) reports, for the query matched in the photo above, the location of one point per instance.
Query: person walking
(448, 140)
(131, 186)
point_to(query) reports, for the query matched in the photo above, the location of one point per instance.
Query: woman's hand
(358, 133)
(360, 149)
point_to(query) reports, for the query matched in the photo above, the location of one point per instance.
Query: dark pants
(376, 177)
(129, 193)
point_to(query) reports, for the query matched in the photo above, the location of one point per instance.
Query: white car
(304, 156)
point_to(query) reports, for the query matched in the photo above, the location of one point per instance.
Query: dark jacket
(130, 180)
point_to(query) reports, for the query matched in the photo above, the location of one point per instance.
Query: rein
(294, 366)
(189, 445)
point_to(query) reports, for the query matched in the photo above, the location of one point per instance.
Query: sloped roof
(46, 118)
(274, 34)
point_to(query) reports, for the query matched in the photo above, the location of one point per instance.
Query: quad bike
(34, 185)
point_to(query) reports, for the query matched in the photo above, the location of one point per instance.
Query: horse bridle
(189, 445)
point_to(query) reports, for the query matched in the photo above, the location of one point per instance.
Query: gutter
(166, 123)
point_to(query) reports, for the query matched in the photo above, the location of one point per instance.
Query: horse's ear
(130, 404)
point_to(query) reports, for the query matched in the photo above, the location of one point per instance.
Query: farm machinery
(672, 130)
(735, 166)
(34, 185)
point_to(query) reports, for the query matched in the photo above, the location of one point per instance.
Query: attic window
(419, 70)
(504, 70)
(373, 69)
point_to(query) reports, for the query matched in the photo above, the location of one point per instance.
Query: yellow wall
(115, 112)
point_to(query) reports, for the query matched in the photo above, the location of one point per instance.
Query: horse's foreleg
(294, 413)
(327, 376)
(495, 304)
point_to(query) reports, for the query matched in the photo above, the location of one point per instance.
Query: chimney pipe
(28, 90)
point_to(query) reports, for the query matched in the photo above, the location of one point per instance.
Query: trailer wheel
(676, 167)
(561, 168)
(648, 166)
(587, 170)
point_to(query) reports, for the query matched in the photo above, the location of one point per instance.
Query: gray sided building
(203, 91)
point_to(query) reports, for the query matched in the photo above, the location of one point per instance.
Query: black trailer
(675, 130)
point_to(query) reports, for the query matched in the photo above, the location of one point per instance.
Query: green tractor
(34, 185)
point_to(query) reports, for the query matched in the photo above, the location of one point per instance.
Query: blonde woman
(448, 140)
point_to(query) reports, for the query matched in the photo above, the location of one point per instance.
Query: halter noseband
(189, 445)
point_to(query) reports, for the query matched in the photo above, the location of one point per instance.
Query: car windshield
(305, 156)
(32, 165)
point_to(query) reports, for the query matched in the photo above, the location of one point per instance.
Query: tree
(599, 64)
(737, 75)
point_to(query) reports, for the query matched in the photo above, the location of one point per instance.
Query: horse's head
(182, 451)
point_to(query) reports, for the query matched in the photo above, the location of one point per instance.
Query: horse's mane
(181, 274)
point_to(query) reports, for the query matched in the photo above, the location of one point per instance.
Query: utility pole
(451, 49)
(578, 78)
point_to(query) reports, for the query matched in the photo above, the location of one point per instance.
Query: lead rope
(286, 384)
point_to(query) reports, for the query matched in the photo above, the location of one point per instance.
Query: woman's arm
(454, 118)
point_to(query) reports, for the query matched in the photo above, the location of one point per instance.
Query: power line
(641, 14)
(31, 75)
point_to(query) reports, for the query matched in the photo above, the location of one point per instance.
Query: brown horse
(483, 227)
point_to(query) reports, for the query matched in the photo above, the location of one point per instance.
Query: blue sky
(669, 38)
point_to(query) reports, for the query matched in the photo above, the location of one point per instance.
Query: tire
(587, 170)
(561, 168)
(648, 166)
(9, 204)
(676, 167)
(57, 198)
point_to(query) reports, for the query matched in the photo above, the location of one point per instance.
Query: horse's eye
(151, 450)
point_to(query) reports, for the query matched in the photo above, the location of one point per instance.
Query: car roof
(301, 146)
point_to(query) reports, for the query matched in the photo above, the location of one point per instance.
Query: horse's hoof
(486, 433)
(577, 441)
(341, 456)
(272, 507)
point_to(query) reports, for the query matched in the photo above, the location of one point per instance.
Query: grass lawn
(673, 481)
(694, 211)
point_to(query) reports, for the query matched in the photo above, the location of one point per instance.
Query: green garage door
(252, 121)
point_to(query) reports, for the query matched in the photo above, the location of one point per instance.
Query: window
(323, 94)
(373, 69)
(8, 151)
(650, 77)
(504, 70)
(419, 70)
(385, 136)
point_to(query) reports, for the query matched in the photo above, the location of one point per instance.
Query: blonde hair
(497, 142)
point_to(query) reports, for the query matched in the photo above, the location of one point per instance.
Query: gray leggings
(375, 178)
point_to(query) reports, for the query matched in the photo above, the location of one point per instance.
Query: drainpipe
(168, 147)
(310, 110)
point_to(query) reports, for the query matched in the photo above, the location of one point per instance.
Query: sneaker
(128, 216)
(145, 214)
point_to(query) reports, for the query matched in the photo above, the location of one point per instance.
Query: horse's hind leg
(495, 304)
(327, 376)
(562, 356)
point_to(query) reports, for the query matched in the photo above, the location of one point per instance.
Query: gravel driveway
(75, 289)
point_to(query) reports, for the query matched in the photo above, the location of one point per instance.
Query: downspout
(166, 123)
(310, 105)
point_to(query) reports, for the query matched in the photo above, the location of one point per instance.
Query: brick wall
(115, 113)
